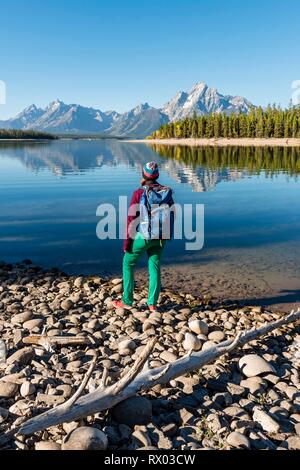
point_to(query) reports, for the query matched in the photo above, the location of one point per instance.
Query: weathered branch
(68, 404)
(135, 381)
(48, 342)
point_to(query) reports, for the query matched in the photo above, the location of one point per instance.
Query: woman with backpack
(150, 223)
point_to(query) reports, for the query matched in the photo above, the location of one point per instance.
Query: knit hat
(151, 171)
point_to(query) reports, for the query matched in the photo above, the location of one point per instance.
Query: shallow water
(49, 193)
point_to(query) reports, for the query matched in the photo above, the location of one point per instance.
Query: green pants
(154, 249)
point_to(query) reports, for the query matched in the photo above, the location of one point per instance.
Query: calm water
(49, 194)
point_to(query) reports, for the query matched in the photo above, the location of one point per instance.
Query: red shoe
(152, 308)
(119, 304)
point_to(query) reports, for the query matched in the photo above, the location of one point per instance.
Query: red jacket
(136, 199)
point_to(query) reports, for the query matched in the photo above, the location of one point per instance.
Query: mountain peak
(199, 87)
(30, 108)
(55, 104)
(142, 106)
(203, 100)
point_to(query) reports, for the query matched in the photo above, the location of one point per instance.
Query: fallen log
(49, 342)
(137, 380)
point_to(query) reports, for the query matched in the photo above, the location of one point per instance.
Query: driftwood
(49, 342)
(137, 379)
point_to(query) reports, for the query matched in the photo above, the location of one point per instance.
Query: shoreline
(27, 140)
(76, 315)
(222, 142)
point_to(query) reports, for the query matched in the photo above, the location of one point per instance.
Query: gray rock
(198, 327)
(293, 443)
(21, 318)
(27, 389)
(85, 438)
(252, 365)
(216, 336)
(133, 411)
(254, 386)
(191, 343)
(47, 445)
(8, 389)
(32, 324)
(67, 304)
(265, 420)
(168, 356)
(24, 356)
(126, 347)
(238, 441)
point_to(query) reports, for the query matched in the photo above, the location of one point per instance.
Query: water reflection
(271, 160)
(202, 168)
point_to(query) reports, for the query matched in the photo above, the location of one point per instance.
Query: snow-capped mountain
(23, 120)
(140, 122)
(204, 100)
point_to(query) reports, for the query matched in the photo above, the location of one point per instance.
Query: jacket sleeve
(134, 200)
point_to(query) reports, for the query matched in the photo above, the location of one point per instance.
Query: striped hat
(151, 170)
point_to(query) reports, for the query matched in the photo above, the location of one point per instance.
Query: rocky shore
(249, 399)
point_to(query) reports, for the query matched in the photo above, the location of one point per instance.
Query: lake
(49, 193)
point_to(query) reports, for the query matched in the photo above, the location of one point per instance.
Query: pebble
(252, 365)
(198, 327)
(133, 411)
(21, 318)
(293, 443)
(32, 324)
(27, 389)
(238, 441)
(126, 347)
(47, 445)
(67, 304)
(254, 386)
(168, 356)
(267, 423)
(23, 356)
(85, 438)
(192, 343)
(8, 389)
(216, 336)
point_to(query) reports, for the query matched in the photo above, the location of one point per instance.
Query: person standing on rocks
(150, 224)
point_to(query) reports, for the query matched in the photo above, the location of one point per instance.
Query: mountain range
(61, 118)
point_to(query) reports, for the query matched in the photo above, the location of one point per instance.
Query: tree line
(18, 134)
(270, 160)
(258, 123)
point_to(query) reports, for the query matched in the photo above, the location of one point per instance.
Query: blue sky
(115, 54)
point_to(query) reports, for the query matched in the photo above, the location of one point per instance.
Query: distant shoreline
(222, 142)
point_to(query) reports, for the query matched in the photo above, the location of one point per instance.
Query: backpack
(156, 216)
